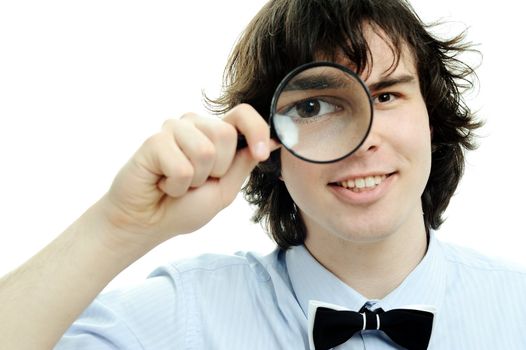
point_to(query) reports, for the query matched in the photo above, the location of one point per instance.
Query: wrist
(105, 228)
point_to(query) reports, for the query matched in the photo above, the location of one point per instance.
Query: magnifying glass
(321, 112)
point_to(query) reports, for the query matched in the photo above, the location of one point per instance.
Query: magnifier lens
(321, 112)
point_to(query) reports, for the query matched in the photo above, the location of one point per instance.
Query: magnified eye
(311, 108)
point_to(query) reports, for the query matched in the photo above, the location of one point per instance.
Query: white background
(83, 83)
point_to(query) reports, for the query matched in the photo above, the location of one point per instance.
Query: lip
(365, 197)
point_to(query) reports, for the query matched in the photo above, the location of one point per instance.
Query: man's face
(375, 192)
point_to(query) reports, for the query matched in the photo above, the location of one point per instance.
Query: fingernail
(261, 150)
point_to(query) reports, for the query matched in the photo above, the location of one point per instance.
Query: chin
(367, 231)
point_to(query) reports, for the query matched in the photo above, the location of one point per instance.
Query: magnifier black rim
(293, 73)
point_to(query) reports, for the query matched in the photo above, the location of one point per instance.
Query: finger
(224, 138)
(161, 156)
(255, 129)
(214, 195)
(233, 180)
(196, 146)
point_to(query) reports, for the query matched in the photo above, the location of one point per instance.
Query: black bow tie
(409, 328)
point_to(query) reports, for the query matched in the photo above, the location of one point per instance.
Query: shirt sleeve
(146, 316)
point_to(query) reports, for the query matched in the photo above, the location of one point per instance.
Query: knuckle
(168, 123)
(244, 108)
(155, 141)
(203, 156)
(206, 152)
(224, 131)
(173, 124)
(172, 187)
(188, 116)
(184, 172)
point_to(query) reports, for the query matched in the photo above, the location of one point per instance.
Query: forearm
(41, 299)
(167, 188)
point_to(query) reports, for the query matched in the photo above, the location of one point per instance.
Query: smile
(360, 184)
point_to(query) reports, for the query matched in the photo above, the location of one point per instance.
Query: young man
(343, 240)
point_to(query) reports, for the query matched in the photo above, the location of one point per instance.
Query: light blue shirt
(252, 302)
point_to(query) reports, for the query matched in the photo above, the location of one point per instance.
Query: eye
(311, 108)
(384, 97)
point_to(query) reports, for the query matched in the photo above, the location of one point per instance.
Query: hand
(184, 175)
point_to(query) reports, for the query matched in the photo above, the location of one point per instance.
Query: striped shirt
(261, 302)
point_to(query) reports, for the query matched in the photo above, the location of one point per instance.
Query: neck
(372, 268)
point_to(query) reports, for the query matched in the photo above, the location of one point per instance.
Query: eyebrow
(316, 82)
(391, 81)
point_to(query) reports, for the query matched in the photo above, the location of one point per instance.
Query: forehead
(383, 58)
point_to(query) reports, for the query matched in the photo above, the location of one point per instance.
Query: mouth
(362, 184)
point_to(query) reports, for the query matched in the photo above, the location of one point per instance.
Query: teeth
(363, 182)
(369, 181)
(349, 184)
(360, 183)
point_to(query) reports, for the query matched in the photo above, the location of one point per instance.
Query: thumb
(233, 180)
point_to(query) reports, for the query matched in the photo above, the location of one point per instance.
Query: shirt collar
(426, 284)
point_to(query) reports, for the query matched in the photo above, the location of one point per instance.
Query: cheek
(289, 175)
(423, 129)
(414, 131)
(410, 139)
(291, 166)
(298, 176)
(418, 139)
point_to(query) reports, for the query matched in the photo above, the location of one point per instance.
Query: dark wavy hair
(288, 33)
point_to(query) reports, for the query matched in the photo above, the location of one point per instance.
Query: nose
(370, 144)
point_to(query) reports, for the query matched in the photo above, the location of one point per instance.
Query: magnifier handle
(241, 142)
